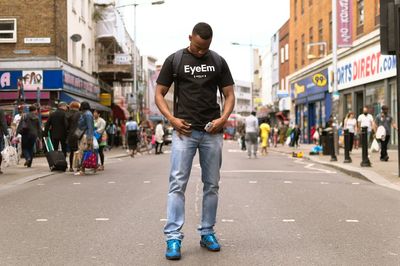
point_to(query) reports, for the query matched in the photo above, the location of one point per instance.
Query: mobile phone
(208, 126)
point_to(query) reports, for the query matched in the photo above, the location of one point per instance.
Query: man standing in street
(366, 120)
(198, 124)
(252, 135)
(385, 120)
(57, 126)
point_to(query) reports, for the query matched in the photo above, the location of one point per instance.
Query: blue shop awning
(66, 97)
(301, 100)
(316, 97)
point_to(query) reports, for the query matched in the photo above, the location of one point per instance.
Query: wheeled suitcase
(55, 159)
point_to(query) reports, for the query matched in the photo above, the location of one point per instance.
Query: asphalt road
(274, 210)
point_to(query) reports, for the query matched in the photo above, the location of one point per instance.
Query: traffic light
(388, 27)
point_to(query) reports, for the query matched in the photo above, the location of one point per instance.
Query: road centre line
(41, 220)
(102, 219)
(352, 221)
(288, 220)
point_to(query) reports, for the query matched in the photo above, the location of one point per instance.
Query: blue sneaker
(210, 242)
(173, 249)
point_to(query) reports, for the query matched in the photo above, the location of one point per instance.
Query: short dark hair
(253, 113)
(203, 30)
(32, 108)
(85, 106)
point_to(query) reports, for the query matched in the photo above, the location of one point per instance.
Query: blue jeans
(183, 151)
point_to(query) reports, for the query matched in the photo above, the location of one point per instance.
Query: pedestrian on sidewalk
(29, 128)
(385, 120)
(350, 123)
(111, 131)
(57, 125)
(366, 120)
(73, 116)
(252, 131)
(197, 80)
(275, 135)
(99, 132)
(159, 137)
(296, 136)
(264, 135)
(3, 133)
(132, 135)
(85, 123)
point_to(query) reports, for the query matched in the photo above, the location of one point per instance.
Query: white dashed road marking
(324, 183)
(163, 220)
(355, 183)
(147, 182)
(40, 184)
(77, 183)
(111, 182)
(253, 182)
(288, 182)
(102, 219)
(275, 171)
(227, 220)
(352, 221)
(41, 220)
(289, 220)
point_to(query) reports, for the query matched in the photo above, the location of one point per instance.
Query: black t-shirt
(198, 80)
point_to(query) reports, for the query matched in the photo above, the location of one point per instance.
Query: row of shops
(22, 84)
(365, 78)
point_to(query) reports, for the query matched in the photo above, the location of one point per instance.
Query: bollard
(364, 142)
(347, 146)
(331, 140)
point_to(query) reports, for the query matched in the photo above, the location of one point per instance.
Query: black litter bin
(325, 142)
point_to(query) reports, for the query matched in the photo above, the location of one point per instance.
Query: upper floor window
(295, 10)
(282, 55)
(330, 31)
(309, 2)
(377, 12)
(311, 39)
(303, 49)
(8, 30)
(295, 54)
(83, 56)
(302, 6)
(83, 8)
(360, 16)
(287, 51)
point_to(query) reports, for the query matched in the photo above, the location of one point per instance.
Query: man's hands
(217, 126)
(181, 126)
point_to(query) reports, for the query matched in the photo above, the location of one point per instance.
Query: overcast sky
(163, 29)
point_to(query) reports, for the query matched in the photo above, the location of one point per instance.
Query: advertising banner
(344, 23)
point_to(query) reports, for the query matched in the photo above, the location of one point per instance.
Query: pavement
(381, 173)
(20, 174)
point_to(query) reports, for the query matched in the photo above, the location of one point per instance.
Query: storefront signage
(365, 67)
(81, 87)
(344, 23)
(9, 79)
(122, 59)
(310, 85)
(32, 80)
(105, 99)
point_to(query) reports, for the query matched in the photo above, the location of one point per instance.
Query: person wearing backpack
(197, 73)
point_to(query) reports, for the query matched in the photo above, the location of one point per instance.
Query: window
(282, 55)
(287, 51)
(377, 12)
(282, 84)
(275, 61)
(295, 10)
(303, 49)
(83, 56)
(330, 31)
(320, 34)
(90, 60)
(8, 30)
(83, 8)
(73, 53)
(295, 54)
(302, 6)
(360, 16)
(310, 2)
(311, 38)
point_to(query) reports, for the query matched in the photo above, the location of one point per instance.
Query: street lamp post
(135, 4)
(335, 93)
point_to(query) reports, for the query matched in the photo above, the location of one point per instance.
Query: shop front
(312, 103)
(367, 78)
(47, 88)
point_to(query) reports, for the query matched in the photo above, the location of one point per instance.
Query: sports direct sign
(344, 23)
(366, 66)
